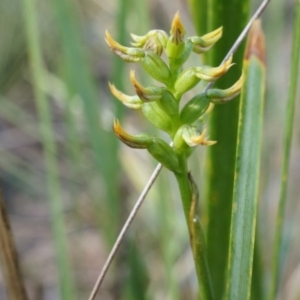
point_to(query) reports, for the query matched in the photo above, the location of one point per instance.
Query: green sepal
(165, 154)
(218, 96)
(139, 141)
(126, 53)
(157, 116)
(173, 50)
(186, 81)
(156, 67)
(176, 63)
(179, 143)
(194, 109)
(169, 103)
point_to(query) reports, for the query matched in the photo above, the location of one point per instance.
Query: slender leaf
(233, 16)
(245, 193)
(288, 132)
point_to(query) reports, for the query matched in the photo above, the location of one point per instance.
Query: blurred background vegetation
(98, 179)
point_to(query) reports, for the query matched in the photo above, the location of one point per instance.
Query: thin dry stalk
(9, 258)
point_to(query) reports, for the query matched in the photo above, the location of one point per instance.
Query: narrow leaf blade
(242, 237)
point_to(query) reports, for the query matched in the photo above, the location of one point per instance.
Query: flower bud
(193, 138)
(156, 93)
(140, 141)
(127, 54)
(133, 102)
(177, 30)
(175, 45)
(207, 112)
(169, 104)
(154, 40)
(208, 73)
(219, 96)
(156, 67)
(157, 116)
(205, 42)
(194, 109)
(146, 94)
(158, 148)
(174, 51)
(178, 142)
(176, 63)
(186, 80)
(165, 154)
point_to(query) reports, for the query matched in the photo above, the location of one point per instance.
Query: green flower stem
(184, 186)
(189, 196)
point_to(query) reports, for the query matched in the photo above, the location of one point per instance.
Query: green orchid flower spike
(160, 104)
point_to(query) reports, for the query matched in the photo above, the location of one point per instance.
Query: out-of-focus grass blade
(199, 9)
(24, 121)
(245, 195)
(47, 135)
(118, 64)
(167, 224)
(288, 132)
(135, 287)
(80, 82)
(138, 275)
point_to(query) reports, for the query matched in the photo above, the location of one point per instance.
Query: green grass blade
(24, 121)
(138, 275)
(118, 64)
(199, 9)
(138, 279)
(288, 132)
(246, 181)
(257, 284)
(47, 135)
(80, 82)
(166, 223)
(223, 129)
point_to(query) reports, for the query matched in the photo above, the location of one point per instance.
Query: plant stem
(189, 196)
(9, 257)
